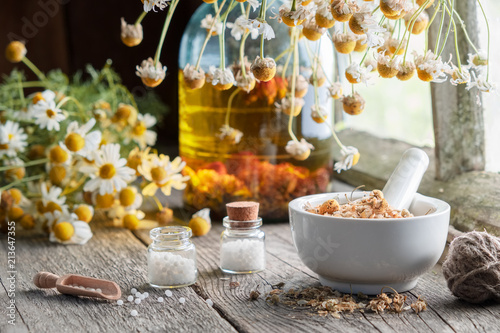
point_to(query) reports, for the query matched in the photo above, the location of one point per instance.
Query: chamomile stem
(262, 17)
(229, 104)
(222, 37)
(294, 79)
(19, 182)
(72, 99)
(411, 25)
(282, 54)
(34, 69)
(447, 31)
(294, 6)
(409, 28)
(28, 84)
(376, 8)
(140, 18)
(209, 32)
(465, 31)
(158, 203)
(287, 60)
(441, 25)
(455, 36)
(170, 13)
(429, 25)
(364, 56)
(242, 54)
(24, 165)
(21, 92)
(488, 47)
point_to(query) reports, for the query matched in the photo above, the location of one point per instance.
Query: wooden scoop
(65, 285)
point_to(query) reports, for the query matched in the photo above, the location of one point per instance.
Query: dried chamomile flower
(312, 31)
(395, 9)
(324, 17)
(300, 150)
(419, 306)
(395, 46)
(350, 157)
(15, 51)
(477, 60)
(285, 106)
(387, 66)
(344, 43)
(430, 68)
(131, 34)
(335, 90)
(263, 69)
(329, 207)
(406, 71)
(380, 303)
(319, 113)
(151, 4)
(230, 135)
(481, 83)
(254, 294)
(361, 44)
(165, 216)
(262, 28)
(221, 79)
(200, 222)
(459, 76)
(355, 73)
(342, 10)
(293, 18)
(363, 22)
(207, 22)
(319, 76)
(194, 79)
(150, 73)
(245, 82)
(241, 26)
(398, 303)
(301, 86)
(420, 22)
(353, 104)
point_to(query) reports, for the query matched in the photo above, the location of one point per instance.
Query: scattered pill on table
(133, 313)
(137, 301)
(209, 302)
(99, 290)
(133, 291)
(160, 299)
(182, 300)
(168, 293)
(119, 302)
(130, 298)
(146, 294)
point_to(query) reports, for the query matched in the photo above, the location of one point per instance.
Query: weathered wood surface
(458, 118)
(473, 196)
(120, 255)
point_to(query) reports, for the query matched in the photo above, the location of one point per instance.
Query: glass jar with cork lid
(242, 242)
(171, 257)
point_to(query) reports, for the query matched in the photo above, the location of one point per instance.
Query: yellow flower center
(130, 222)
(74, 142)
(84, 213)
(107, 171)
(37, 98)
(139, 129)
(123, 112)
(105, 201)
(64, 231)
(18, 173)
(10, 136)
(16, 195)
(158, 174)
(127, 196)
(15, 213)
(199, 226)
(134, 161)
(57, 174)
(52, 207)
(50, 113)
(58, 155)
(27, 222)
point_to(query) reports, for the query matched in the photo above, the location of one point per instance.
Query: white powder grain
(168, 269)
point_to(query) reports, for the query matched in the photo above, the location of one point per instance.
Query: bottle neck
(180, 244)
(238, 232)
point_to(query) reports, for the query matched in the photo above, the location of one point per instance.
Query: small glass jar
(243, 248)
(171, 257)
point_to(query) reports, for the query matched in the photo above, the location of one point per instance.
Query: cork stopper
(243, 210)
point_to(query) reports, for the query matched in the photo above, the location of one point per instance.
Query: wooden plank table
(120, 255)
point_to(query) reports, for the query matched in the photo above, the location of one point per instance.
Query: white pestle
(405, 179)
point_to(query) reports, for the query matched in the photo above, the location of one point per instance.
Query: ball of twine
(472, 268)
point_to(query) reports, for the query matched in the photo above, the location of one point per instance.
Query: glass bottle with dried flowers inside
(242, 134)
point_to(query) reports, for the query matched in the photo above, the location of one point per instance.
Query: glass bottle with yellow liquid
(252, 163)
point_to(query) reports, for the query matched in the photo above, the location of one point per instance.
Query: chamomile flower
(229, 134)
(151, 4)
(84, 212)
(241, 26)
(350, 156)
(12, 139)
(481, 83)
(459, 76)
(293, 18)
(46, 95)
(47, 115)
(478, 60)
(319, 113)
(70, 231)
(359, 74)
(193, 78)
(108, 173)
(262, 28)
(363, 22)
(131, 34)
(430, 68)
(254, 3)
(335, 90)
(136, 157)
(151, 75)
(51, 200)
(140, 132)
(132, 219)
(221, 79)
(163, 174)
(300, 150)
(207, 22)
(130, 198)
(342, 10)
(78, 139)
